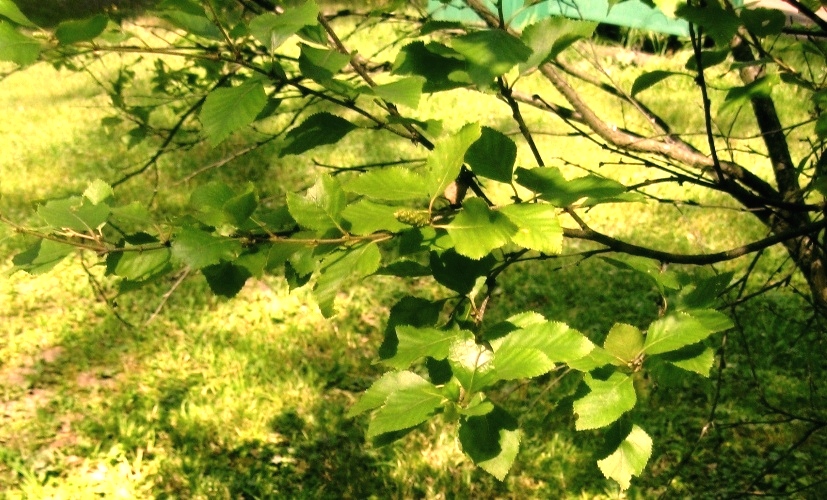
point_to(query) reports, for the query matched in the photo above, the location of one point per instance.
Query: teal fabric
(630, 13)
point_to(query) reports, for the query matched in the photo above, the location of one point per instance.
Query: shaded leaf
(551, 186)
(69, 32)
(695, 358)
(405, 91)
(190, 17)
(718, 23)
(75, 213)
(550, 36)
(16, 47)
(438, 69)
(273, 30)
(366, 217)
(412, 311)
(492, 155)
(393, 183)
(407, 406)
(321, 65)
(198, 249)
(492, 441)
(317, 130)
(490, 53)
(351, 264)
(457, 272)
(651, 78)
(9, 10)
(226, 279)
(42, 257)
(229, 109)
(477, 230)
(629, 459)
(606, 401)
(321, 207)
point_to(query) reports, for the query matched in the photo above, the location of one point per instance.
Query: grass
(247, 398)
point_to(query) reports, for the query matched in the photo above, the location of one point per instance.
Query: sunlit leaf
(42, 257)
(273, 30)
(417, 343)
(197, 248)
(16, 47)
(378, 392)
(321, 207)
(9, 10)
(551, 186)
(321, 64)
(75, 213)
(339, 267)
(629, 459)
(624, 342)
(491, 440)
(406, 406)
(490, 53)
(492, 155)
(684, 328)
(477, 230)
(393, 183)
(405, 91)
(606, 401)
(445, 161)
(229, 109)
(538, 226)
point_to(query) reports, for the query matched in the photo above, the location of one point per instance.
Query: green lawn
(246, 398)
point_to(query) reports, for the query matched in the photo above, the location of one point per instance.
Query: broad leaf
(412, 311)
(98, 192)
(538, 227)
(229, 109)
(472, 364)
(556, 340)
(42, 257)
(9, 10)
(394, 183)
(226, 279)
(457, 272)
(317, 130)
(629, 459)
(696, 358)
(405, 91)
(684, 328)
(272, 30)
(321, 207)
(606, 401)
(624, 342)
(664, 279)
(551, 186)
(76, 214)
(718, 23)
(492, 155)
(651, 78)
(417, 343)
(407, 406)
(198, 249)
(139, 265)
(190, 17)
(16, 47)
(549, 37)
(763, 22)
(438, 68)
(353, 263)
(477, 230)
(321, 65)
(521, 363)
(366, 217)
(490, 53)
(739, 96)
(69, 32)
(491, 441)
(445, 161)
(378, 393)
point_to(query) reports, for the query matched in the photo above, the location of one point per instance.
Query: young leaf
(405, 407)
(550, 184)
(405, 91)
(354, 263)
(9, 10)
(684, 328)
(321, 65)
(229, 109)
(198, 249)
(538, 227)
(366, 217)
(492, 441)
(317, 130)
(74, 213)
(606, 401)
(629, 459)
(69, 32)
(98, 192)
(272, 30)
(394, 183)
(321, 207)
(492, 155)
(378, 393)
(476, 230)
(624, 342)
(472, 364)
(417, 343)
(490, 53)
(445, 161)
(651, 78)
(42, 257)
(16, 47)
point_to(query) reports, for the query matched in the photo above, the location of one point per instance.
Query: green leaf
(472, 364)
(225, 279)
(556, 340)
(69, 32)
(739, 96)
(199, 249)
(9, 10)
(321, 207)
(75, 213)
(538, 227)
(709, 58)
(477, 230)
(718, 23)
(696, 358)
(764, 22)
(624, 342)
(438, 68)
(650, 79)
(351, 264)
(321, 65)
(405, 91)
(703, 293)
(551, 186)
(378, 392)
(821, 126)
(597, 358)
(549, 37)
(238, 209)
(519, 363)
(492, 441)
(98, 192)
(411, 311)
(16, 47)
(492, 155)
(366, 217)
(629, 459)
(136, 265)
(190, 17)
(317, 130)
(663, 278)
(42, 257)
(394, 183)
(457, 272)
(229, 109)
(405, 407)
(606, 401)
(684, 328)
(134, 213)
(417, 343)
(445, 161)
(490, 53)
(272, 30)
